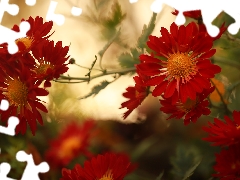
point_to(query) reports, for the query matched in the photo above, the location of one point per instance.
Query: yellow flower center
(188, 105)
(27, 41)
(107, 176)
(68, 146)
(17, 92)
(181, 65)
(42, 68)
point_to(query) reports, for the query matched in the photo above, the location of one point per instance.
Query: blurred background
(156, 145)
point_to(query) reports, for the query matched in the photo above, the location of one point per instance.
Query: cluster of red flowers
(109, 166)
(38, 60)
(179, 68)
(69, 144)
(227, 136)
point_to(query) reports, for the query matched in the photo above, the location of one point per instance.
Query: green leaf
(116, 16)
(185, 161)
(147, 30)
(96, 89)
(160, 176)
(129, 59)
(191, 170)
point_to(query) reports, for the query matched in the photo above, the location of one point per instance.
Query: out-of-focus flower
(184, 67)
(228, 163)
(109, 166)
(19, 88)
(135, 94)
(51, 61)
(214, 96)
(70, 143)
(224, 134)
(191, 110)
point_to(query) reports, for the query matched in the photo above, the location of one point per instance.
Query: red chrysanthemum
(228, 163)
(109, 166)
(19, 88)
(196, 14)
(50, 61)
(184, 67)
(135, 94)
(70, 143)
(224, 134)
(39, 31)
(191, 110)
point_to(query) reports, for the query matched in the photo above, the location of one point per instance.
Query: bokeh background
(155, 144)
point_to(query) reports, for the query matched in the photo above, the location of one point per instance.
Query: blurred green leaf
(147, 30)
(96, 89)
(191, 170)
(160, 176)
(185, 161)
(128, 60)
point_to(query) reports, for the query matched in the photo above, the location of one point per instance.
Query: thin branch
(101, 53)
(222, 99)
(121, 72)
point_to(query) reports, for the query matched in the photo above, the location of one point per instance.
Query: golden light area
(85, 42)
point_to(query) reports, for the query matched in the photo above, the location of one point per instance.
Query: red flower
(196, 14)
(135, 94)
(191, 110)
(38, 32)
(224, 134)
(109, 166)
(51, 61)
(184, 68)
(19, 88)
(70, 143)
(228, 163)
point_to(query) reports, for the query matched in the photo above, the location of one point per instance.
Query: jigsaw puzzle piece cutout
(9, 36)
(4, 105)
(31, 171)
(180, 5)
(30, 2)
(12, 123)
(4, 170)
(59, 19)
(133, 1)
(12, 9)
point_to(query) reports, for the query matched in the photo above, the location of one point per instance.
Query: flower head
(184, 68)
(109, 166)
(21, 91)
(50, 61)
(70, 143)
(135, 94)
(224, 133)
(228, 163)
(191, 110)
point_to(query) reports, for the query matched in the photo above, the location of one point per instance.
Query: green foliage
(129, 59)
(160, 176)
(96, 89)
(185, 161)
(147, 30)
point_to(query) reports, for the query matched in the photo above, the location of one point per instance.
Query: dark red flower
(135, 94)
(224, 133)
(19, 88)
(109, 166)
(50, 61)
(191, 110)
(183, 67)
(228, 163)
(70, 143)
(39, 31)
